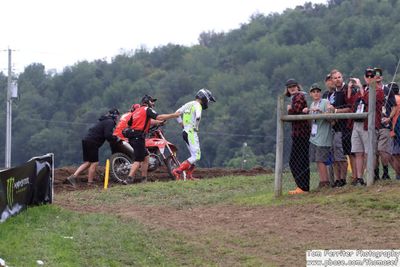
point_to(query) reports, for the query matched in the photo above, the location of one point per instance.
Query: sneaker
(297, 191)
(71, 180)
(341, 183)
(177, 174)
(385, 176)
(336, 183)
(357, 182)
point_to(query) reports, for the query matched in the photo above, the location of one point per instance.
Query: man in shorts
(91, 143)
(321, 134)
(383, 134)
(341, 137)
(141, 118)
(359, 135)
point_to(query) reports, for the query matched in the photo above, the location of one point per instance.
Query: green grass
(180, 194)
(60, 237)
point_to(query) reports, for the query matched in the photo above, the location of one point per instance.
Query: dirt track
(159, 175)
(279, 235)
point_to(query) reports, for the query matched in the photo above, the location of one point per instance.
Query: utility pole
(9, 114)
(244, 154)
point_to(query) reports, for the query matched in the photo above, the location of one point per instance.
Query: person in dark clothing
(91, 143)
(384, 152)
(299, 155)
(342, 137)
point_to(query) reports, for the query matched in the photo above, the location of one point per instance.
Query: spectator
(341, 135)
(191, 115)
(321, 134)
(140, 126)
(91, 143)
(359, 135)
(385, 145)
(299, 155)
(395, 132)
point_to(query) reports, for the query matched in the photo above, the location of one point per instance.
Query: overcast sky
(59, 33)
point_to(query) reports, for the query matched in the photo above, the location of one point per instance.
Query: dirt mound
(61, 174)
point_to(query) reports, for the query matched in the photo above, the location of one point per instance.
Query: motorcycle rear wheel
(120, 165)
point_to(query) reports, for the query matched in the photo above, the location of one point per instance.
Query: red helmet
(135, 106)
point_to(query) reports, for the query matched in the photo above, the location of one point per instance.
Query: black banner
(26, 185)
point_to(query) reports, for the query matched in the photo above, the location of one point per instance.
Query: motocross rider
(140, 126)
(190, 123)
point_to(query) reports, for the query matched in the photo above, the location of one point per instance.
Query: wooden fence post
(279, 147)
(371, 147)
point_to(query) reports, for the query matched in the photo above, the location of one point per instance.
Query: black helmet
(205, 96)
(114, 113)
(146, 101)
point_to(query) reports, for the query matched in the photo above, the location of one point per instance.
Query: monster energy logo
(13, 186)
(10, 191)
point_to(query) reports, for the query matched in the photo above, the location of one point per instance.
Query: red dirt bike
(161, 152)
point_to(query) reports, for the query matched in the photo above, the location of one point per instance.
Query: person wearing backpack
(141, 119)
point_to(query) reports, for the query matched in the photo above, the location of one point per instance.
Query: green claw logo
(10, 191)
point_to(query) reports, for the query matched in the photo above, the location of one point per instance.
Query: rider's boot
(189, 172)
(178, 171)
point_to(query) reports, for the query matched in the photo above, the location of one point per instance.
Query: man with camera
(341, 137)
(359, 135)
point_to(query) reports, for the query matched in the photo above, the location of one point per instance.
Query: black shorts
(90, 151)
(139, 147)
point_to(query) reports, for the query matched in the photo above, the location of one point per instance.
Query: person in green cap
(321, 134)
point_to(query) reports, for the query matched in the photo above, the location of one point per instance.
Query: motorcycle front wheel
(120, 165)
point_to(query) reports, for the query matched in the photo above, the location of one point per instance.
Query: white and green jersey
(191, 115)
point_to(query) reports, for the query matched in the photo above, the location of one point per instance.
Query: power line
(171, 131)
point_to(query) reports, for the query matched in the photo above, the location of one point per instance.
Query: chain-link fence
(292, 165)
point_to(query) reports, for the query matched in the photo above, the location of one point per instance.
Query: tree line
(245, 68)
